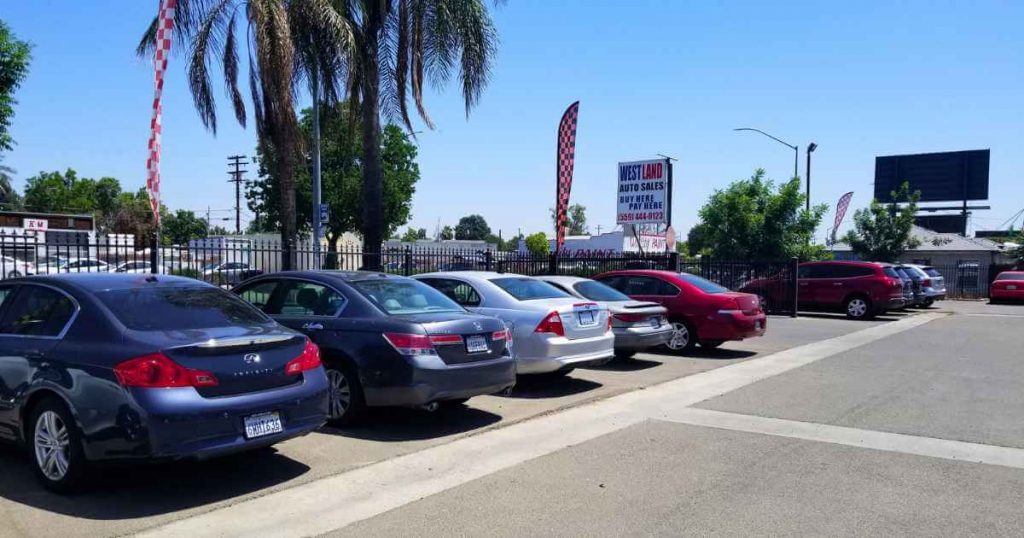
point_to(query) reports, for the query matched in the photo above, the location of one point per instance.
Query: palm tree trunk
(286, 177)
(373, 180)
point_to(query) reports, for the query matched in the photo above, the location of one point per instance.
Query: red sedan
(1008, 286)
(700, 310)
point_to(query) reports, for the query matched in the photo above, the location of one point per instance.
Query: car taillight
(501, 335)
(309, 360)
(157, 370)
(552, 324)
(631, 318)
(445, 339)
(609, 326)
(410, 344)
(927, 282)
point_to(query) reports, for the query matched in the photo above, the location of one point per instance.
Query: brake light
(609, 326)
(552, 324)
(309, 360)
(445, 339)
(410, 344)
(501, 335)
(927, 282)
(157, 370)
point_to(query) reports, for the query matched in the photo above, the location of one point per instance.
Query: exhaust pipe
(430, 407)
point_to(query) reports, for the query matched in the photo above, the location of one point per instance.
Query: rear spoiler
(220, 344)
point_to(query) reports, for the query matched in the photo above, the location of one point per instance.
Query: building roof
(932, 241)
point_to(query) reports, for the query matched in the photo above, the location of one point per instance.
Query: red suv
(861, 289)
(700, 310)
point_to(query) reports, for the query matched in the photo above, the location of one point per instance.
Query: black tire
(859, 307)
(711, 344)
(928, 303)
(683, 336)
(766, 305)
(62, 468)
(14, 274)
(453, 404)
(344, 407)
(624, 355)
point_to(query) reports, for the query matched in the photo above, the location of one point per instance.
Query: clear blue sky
(859, 78)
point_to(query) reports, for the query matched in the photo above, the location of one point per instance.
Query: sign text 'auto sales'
(643, 192)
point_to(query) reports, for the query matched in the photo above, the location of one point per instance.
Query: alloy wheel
(857, 307)
(680, 336)
(340, 394)
(52, 446)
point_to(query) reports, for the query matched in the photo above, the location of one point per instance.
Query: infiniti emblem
(477, 326)
(251, 358)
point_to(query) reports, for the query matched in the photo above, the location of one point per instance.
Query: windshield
(405, 296)
(597, 291)
(528, 289)
(1010, 276)
(704, 285)
(891, 273)
(179, 308)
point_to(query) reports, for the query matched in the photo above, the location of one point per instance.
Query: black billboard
(941, 177)
(947, 224)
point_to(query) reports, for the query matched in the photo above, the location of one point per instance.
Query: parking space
(131, 498)
(721, 483)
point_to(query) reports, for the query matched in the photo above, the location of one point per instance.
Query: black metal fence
(969, 280)
(226, 261)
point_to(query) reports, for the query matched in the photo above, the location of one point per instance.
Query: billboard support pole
(967, 175)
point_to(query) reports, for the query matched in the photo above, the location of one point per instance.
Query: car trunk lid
(461, 338)
(583, 319)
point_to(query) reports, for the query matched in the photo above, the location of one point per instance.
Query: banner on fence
(643, 192)
(564, 163)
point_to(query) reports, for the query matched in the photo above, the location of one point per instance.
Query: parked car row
(108, 367)
(859, 289)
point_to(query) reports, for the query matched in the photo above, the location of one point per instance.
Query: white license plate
(587, 318)
(263, 424)
(1011, 287)
(757, 325)
(477, 344)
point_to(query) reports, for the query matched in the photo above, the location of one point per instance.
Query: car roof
(95, 282)
(481, 275)
(344, 276)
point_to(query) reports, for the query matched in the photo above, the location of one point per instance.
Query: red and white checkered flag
(841, 207)
(564, 165)
(165, 22)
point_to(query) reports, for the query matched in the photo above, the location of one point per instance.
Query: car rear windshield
(1010, 276)
(528, 289)
(399, 297)
(932, 272)
(706, 286)
(891, 272)
(179, 308)
(597, 291)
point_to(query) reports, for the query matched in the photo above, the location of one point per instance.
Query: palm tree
(395, 45)
(9, 198)
(272, 31)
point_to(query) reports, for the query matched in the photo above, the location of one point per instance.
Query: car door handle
(313, 326)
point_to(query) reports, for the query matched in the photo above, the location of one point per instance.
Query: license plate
(587, 318)
(477, 344)
(263, 424)
(656, 322)
(757, 325)
(1011, 287)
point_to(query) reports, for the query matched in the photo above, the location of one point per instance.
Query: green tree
(57, 192)
(10, 200)
(447, 233)
(392, 48)
(14, 59)
(575, 220)
(276, 37)
(181, 226)
(696, 240)
(412, 235)
(340, 178)
(219, 231)
(537, 244)
(753, 220)
(882, 232)
(472, 227)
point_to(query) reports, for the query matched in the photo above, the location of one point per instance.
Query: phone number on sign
(642, 217)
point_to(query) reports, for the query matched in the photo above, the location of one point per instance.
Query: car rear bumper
(640, 338)
(892, 303)
(732, 326)
(446, 382)
(178, 423)
(543, 354)
(1013, 295)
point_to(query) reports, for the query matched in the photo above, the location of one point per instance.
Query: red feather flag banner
(563, 166)
(841, 207)
(165, 23)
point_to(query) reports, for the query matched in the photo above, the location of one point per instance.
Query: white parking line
(334, 502)
(876, 440)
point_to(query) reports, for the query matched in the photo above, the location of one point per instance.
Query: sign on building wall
(643, 194)
(36, 225)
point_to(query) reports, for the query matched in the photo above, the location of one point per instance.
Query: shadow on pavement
(127, 492)
(625, 365)
(704, 353)
(404, 424)
(545, 386)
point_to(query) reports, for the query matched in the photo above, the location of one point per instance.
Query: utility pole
(317, 196)
(236, 172)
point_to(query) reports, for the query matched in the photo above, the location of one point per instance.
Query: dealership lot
(130, 499)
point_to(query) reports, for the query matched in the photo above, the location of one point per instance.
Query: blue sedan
(122, 367)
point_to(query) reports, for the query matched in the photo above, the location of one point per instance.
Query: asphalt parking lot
(129, 499)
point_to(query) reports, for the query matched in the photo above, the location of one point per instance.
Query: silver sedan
(637, 325)
(553, 332)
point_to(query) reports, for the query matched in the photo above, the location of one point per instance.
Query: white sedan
(13, 267)
(72, 265)
(553, 332)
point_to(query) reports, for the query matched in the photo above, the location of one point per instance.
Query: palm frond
(207, 39)
(416, 75)
(402, 46)
(230, 61)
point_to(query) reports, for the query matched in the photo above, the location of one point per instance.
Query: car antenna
(151, 278)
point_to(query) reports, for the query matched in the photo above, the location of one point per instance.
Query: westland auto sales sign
(643, 192)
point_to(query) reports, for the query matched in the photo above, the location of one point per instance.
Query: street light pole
(796, 149)
(810, 149)
(317, 200)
